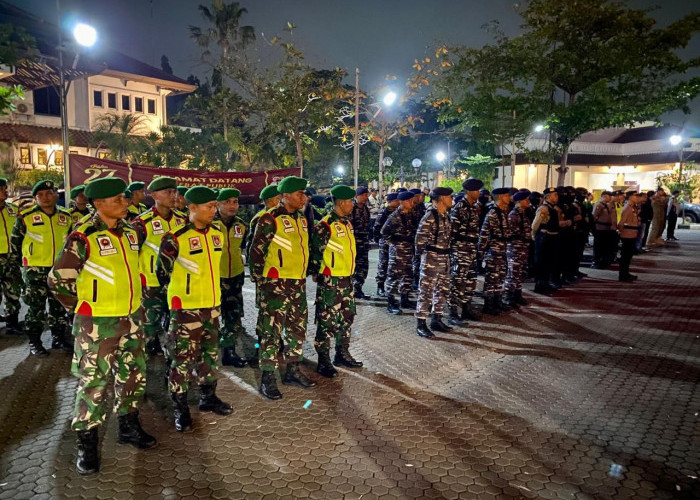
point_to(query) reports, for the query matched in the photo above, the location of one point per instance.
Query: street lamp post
(416, 163)
(677, 140)
(384, 161)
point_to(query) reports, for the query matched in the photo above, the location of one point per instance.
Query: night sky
(381, 37)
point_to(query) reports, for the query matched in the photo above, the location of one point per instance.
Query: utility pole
(356, 138)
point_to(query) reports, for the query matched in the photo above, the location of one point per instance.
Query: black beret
(200, 194)
(362, 190)
(392, 196)
(415, 191)
(609, 193)
(106, 187)
(3, 182)
(440, 191)
(405, 195)
(484, 191)
(319, 201)
(521, 195)
(675, 192)
(472, 184)
(513, 190)
(401, 190)
(498, 191)
(549, 190)
(43, 186)
(561, 190)
(309, 191)
(535, 194)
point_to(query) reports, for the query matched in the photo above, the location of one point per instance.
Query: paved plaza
(592, 393)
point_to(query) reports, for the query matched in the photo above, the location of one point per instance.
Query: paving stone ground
(590, 394)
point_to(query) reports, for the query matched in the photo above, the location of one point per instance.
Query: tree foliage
(16, 45)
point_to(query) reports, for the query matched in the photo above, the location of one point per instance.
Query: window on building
(138, 104)
(25, 155)
(102, 155)
(151, 106)
(97, 98)
(74, 152)
(47, 102)
(111, 100)
(126, 102)
(58, 158)
(41, 156)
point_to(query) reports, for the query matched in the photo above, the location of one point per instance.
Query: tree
(165, 64)
(16, 45)
(119, 134)
(686, 180)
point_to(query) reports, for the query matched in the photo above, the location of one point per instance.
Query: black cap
(361, 190)
(440, 191)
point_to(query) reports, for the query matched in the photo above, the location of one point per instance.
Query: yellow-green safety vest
(288, 254)
(156, 227)
(8, 216)
(339, 255)
(45, 236)
(136, 210)
(195, 278)
(109, 283)
(231, 256)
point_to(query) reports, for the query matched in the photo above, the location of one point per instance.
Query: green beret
(43, 186)
(269, 192)
(77, 190)
(128, 194)
(342, 192)
(292, 184)
(3, 182)
(106, 187)
(162, 183)
(200, 194)
(227, 193)
(182, 190)
(136, 185)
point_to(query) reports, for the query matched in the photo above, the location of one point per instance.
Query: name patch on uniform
(132, 241)
(37, 220)
(157, 227)
(303, 224)
(179, 221)
(216, 240)
(195, 245)
(11, 211)
(287, 225)
(237, 233)
(339, 229)
(62, 220)
(106, 246)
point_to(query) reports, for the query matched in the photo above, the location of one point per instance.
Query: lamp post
(385, 161)
(416, 163)
(86, 36)
(677, 140)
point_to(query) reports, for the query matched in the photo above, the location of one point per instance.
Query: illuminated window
(58, 158)
(103, 155)
(41, 156)
(25, 155)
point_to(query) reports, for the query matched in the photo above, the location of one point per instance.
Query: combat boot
(508, 302)
(520, 299)
(268, 385)
(153, 347)
(454, 318)
(130, 432)
(405, 303)
(58, 340)
(183, 420)
(380, 291)
(209, 401)
(344, 358)
(359, 294)
(500, 303)
(88, 461)
(294, 375)
(469, 312)
(230, 358)
(392, 306)
(12, 324)
(490, 306)
(437, 325)
(325, 367)
(423, 331)
(36, 348)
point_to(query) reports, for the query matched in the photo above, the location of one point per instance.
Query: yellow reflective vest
(156, 227)
(45, 235)
(288, 254)
(136, 211)
(232, 256)
(109, 283)
(194, 281)
(8, 215)
(339, 254)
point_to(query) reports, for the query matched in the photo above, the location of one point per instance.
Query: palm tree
(120, 134)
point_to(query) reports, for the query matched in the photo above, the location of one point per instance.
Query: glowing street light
(675, 140)
(85, 34)
(539, 128)
(440, 156)
(340, 169)
(389, 99)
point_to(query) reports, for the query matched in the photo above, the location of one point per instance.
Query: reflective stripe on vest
(45, 237)
(156, 227)
(194, 282)
(109, 285)
(232, 258)
(8, 215)
(339, 255)
(288, 254)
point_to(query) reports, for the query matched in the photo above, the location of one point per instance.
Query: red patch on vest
(143, 280)
(176, 303)
(327, 271)
(24, 261)
(84, 309)
(273, 273)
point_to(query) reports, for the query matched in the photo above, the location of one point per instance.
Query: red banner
(84, 169)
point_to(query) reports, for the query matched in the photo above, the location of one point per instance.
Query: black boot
(423, 331)
(209, 401)
(344, 358)
(230, 358)
(405, 303)
(543, 288)
(36, 348)
(183, 420)
(58, 340)
(520, 299)
(325, 367)
(392, 306)
(130, 432)
(508, 302)
(380, 291)
(153, 347)
(88, 461)
(12, 324)
(359, 294)
(268, 385)
(469, 312)
(294, 375)
(490, 306)
(454, 318)
(437, 325)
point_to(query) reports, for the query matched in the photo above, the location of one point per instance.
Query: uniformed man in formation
(96, 276)
(136, 196)
(392, 203)
(545, 231)
(493, 240)
(605, 224)
(628, 227)
(518, 250)
(80, 208)
(360, 220)
(400, 230)
(332, 266)
(10, 276)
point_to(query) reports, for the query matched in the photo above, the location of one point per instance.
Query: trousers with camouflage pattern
(104, 345)
(193, 347)
(496, 263)
(10, 284)
(335, 312)
(36, 295)
(518, 252)
(231, 309)
(283, 314)
(154, 302)
(433, 284)
(383, 262)
(462, 273)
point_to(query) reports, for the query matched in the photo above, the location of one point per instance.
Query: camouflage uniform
(10, 275)
(281, 301)
(383, 246)
(418, 212)
(465, 237)
(76, 214)
(400, 232)
(102, 344)
(493, 238)
(433, 247)
(518, 250)
(360, 220)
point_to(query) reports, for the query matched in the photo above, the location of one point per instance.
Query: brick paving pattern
(590, 394)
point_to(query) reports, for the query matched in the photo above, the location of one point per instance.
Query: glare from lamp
(85, 34)
(675, 139)
(539, 128)
(440, 156)
(389, 99)
(340, 169)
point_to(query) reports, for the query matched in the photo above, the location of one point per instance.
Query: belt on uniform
(397, 239)
(468, 239)
(437, 250)
(549, 233)
(604, 223)
(627, 226)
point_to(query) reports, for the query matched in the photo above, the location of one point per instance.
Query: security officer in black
(545, 231)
